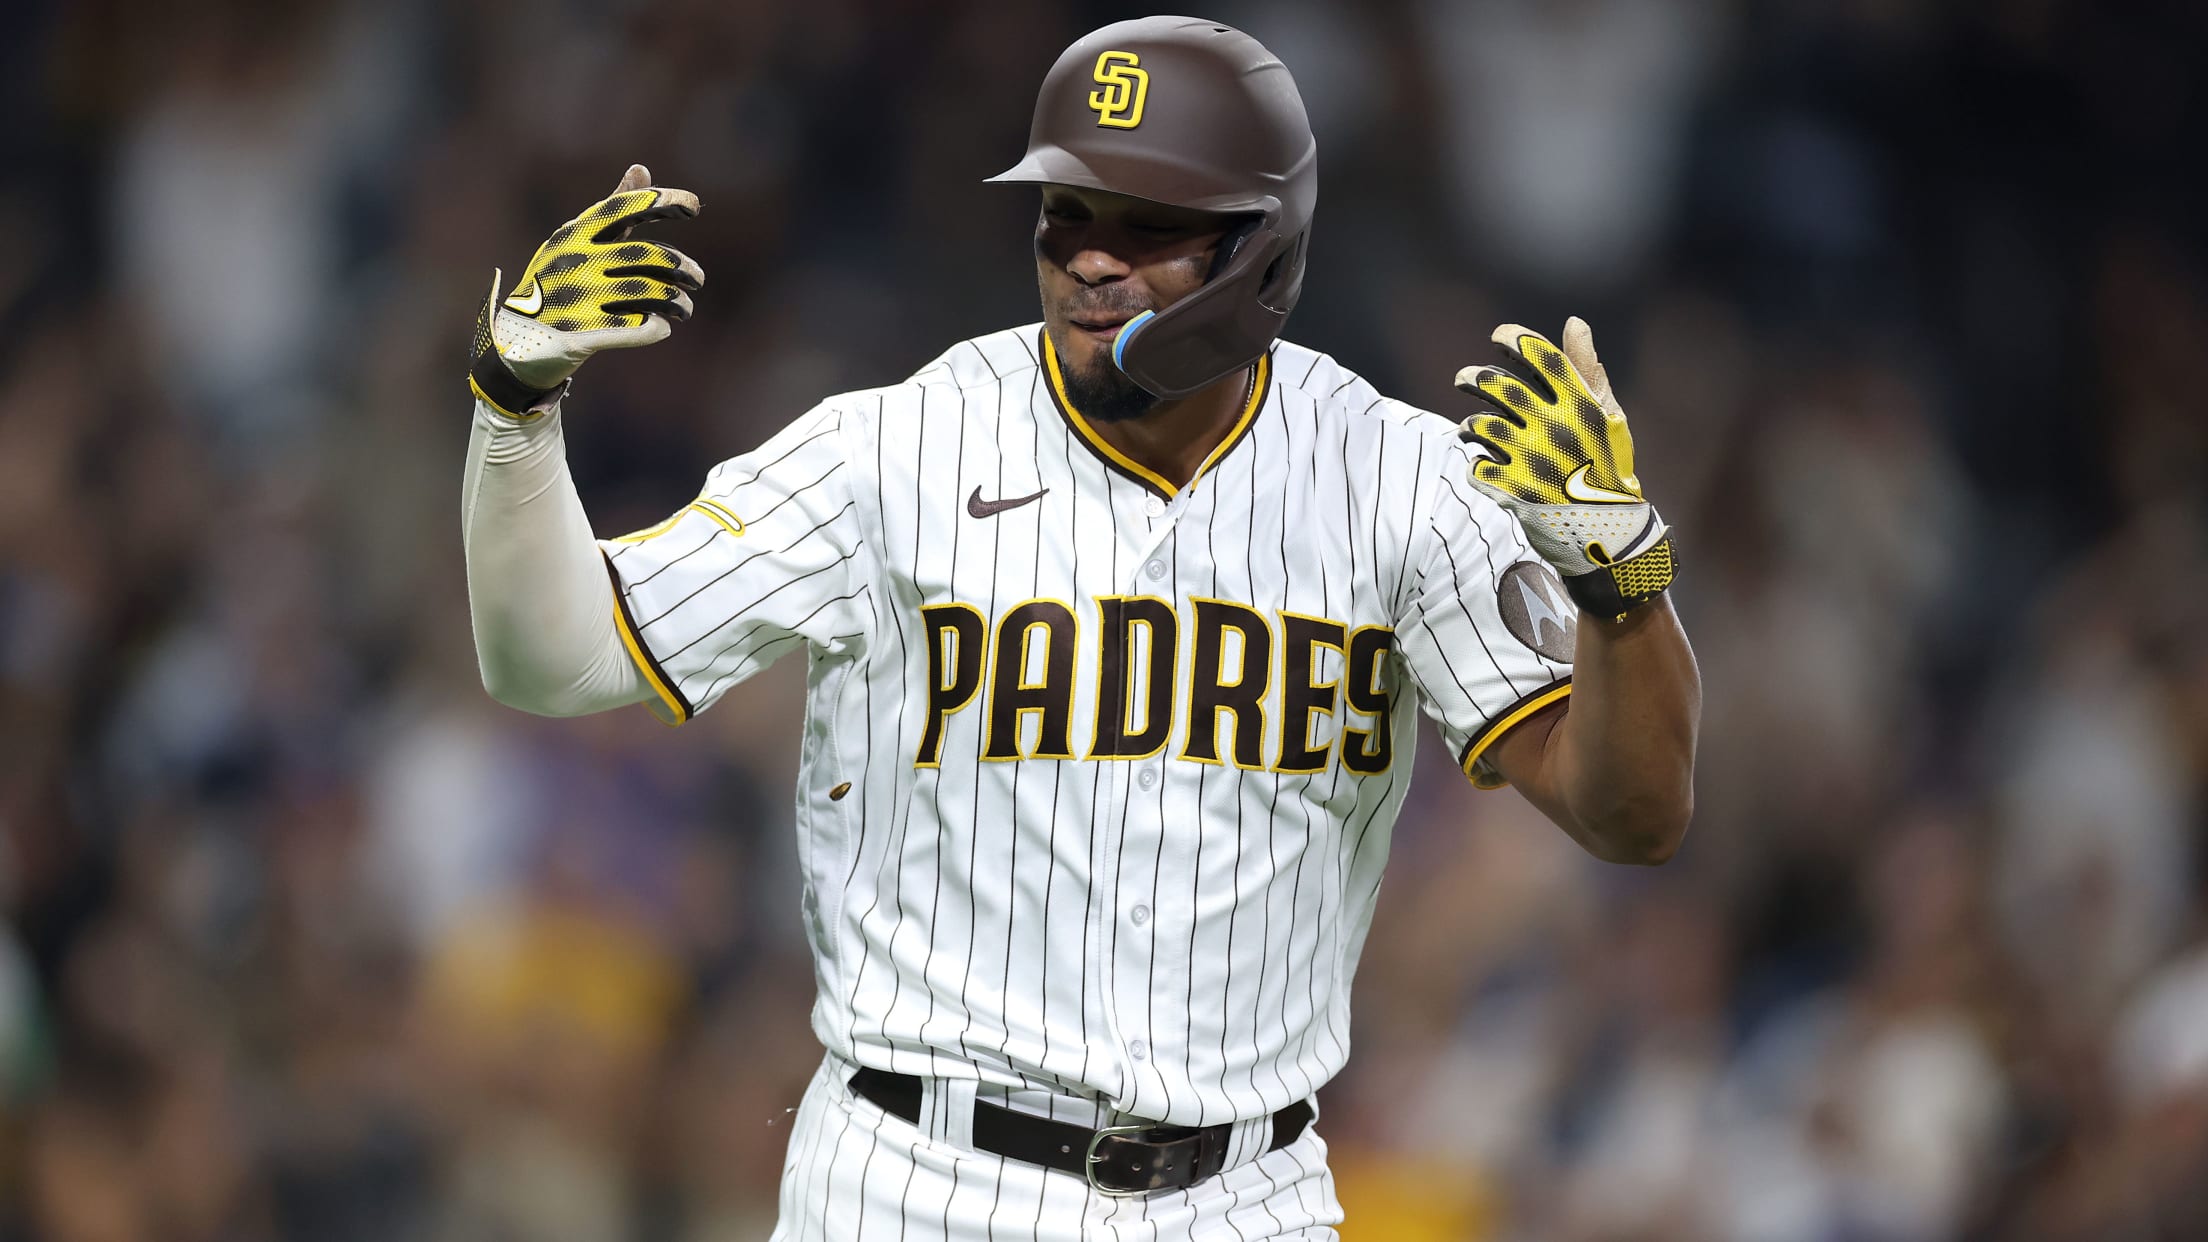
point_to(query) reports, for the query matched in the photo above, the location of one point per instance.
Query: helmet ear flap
(1222, 326)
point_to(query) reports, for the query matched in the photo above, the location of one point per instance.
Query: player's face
(1102, 259)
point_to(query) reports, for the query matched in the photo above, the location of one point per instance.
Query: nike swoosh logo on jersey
(980, 508)
(1578, 488)
(529, 305)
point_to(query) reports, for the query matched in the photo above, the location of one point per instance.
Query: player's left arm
(1613, 764)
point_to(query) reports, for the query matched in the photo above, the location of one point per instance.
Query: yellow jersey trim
(654, 675)
(1511, 718)
(1128, 465)
(721, 514)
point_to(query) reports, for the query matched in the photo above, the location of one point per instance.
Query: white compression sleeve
(538, 592)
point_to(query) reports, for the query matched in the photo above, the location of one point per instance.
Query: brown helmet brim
(1147, 176)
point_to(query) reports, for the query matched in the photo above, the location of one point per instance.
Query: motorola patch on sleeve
(1537, 611)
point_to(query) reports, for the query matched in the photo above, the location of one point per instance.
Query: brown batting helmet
(1194, 114)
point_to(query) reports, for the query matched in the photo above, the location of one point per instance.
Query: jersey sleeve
(766, 560)
(1487, 628)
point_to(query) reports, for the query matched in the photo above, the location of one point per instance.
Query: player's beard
(1103, 393)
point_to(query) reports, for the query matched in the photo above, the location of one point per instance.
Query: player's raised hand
(1559, 457)
(590, 286)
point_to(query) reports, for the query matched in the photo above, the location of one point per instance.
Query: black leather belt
(1116, 1160)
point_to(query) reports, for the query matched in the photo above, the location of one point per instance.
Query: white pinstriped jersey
(1098, 774)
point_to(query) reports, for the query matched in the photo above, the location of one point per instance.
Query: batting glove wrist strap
(590, 286)
(1611, 591)
(493, 382)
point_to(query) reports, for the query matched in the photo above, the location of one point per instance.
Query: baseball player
(1116, 629)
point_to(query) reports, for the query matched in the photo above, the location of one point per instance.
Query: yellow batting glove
(590, 287)
(1559, 457)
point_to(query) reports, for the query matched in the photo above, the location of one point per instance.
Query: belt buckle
(1088, 1165)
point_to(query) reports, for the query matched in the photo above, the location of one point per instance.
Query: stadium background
(306, 939)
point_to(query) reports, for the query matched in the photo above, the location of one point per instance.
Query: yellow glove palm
(590, 286)
(1560, 458)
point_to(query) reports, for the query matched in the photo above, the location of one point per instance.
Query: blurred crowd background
(306, 939)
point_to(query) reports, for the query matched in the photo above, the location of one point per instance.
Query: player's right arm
(547, 639)
(766, 561)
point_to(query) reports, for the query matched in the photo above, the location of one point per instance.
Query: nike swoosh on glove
(590, 286)
(1557, 454)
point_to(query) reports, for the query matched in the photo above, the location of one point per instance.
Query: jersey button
(1153, 506)
(1140, 914)
(1138, 1050)
(1156, 569)
(1147, 778)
